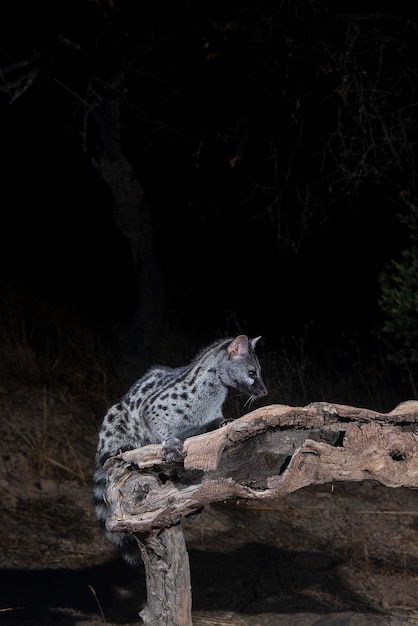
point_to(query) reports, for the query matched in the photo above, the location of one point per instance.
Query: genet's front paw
(173, 451)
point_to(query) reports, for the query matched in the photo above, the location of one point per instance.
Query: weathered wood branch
(268, 453)
(167, 577)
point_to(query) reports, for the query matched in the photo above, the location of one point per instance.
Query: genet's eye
(252, 374)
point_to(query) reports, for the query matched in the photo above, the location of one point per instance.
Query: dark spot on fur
(103, 457)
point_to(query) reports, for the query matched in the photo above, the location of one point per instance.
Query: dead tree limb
(268, 453)
(167, 572)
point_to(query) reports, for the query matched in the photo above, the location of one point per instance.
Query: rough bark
(267, 453)
(168, 578)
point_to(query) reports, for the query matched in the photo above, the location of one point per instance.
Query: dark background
(227, 265)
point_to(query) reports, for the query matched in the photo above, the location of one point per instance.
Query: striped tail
(124, 542)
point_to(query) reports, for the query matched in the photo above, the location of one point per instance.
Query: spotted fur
(168, 405)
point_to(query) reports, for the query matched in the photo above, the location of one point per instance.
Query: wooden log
(166, 562)
(267, 453)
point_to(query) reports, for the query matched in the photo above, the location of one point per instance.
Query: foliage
(399, 301)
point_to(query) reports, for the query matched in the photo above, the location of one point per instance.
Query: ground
(337, 554)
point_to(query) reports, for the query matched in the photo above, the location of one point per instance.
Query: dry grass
(44, 345)
(56, 383)
(59, 376)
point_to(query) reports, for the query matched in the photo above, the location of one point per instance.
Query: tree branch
(265, 454)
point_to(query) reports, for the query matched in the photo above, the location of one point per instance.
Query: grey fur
(168, 405)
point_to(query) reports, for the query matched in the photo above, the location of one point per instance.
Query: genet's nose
(262, 390)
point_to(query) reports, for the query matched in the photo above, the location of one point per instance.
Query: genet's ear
(253, 342)
(238, 347)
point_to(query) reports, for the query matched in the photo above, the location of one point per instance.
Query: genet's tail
(124, 542)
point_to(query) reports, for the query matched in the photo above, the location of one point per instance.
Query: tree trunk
(132, 216)
(168, 578)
